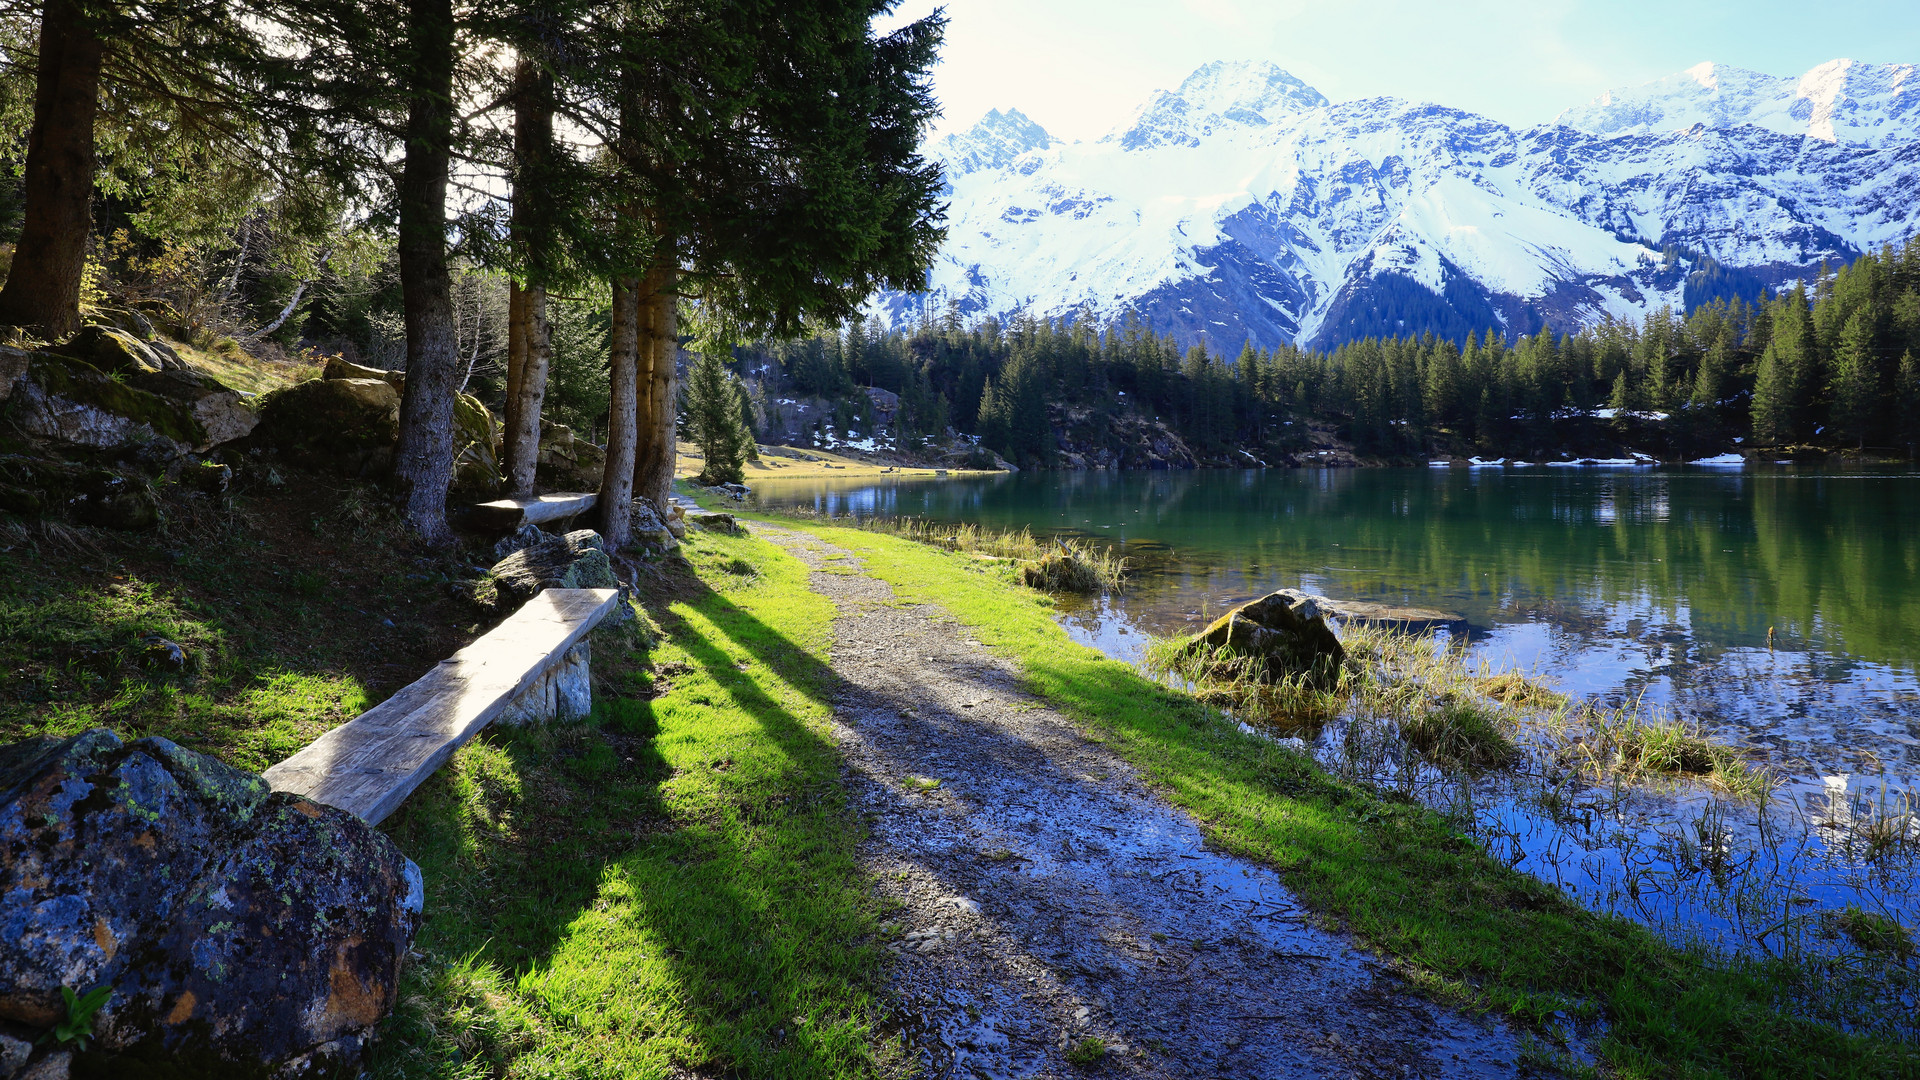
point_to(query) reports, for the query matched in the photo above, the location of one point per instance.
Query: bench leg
(562, 692)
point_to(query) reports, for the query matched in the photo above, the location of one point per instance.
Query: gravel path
(1049, 897)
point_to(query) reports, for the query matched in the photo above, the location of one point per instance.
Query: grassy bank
(668, 889)
(1458, 921)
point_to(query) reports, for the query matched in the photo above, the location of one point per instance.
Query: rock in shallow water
(1288, 632)
(244, 932)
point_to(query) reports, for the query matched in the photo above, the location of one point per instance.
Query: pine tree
(1906, 401)
(1851, 391)
(1782, 392)
(715, 400)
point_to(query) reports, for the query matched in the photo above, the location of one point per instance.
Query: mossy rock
(70, 401)
(476, 465)
(243, 932)
(348, 419)
(117, 351)
(1287, 633)
(337, 368)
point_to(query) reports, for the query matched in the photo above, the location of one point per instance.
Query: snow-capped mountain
(1245, 205)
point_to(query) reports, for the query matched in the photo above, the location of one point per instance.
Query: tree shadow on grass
(671, 885)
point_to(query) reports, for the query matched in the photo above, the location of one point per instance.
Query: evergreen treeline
(532, 186)
(1833, 367)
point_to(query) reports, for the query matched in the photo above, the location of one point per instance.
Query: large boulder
(350, 424)
(577, 560)
(67, 400)
(1286, 632)
(647, 529)
(243, 932)
(119, 351)
(568, 463)
(337, 368)
(476, 466)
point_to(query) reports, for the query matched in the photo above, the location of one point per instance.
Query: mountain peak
(1224, 94)
(993, 143)
(1843, 101)
(1258, 86)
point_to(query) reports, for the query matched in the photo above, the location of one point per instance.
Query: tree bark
(530, 341)
(659, 344)
(50, 260)
(423, 458)
(623, 415)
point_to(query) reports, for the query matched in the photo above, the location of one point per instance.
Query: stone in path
(1049, 897)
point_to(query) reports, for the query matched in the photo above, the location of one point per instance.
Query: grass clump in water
(1871, 931)
(1635, 746)
(1061, 570)
(1459, 734)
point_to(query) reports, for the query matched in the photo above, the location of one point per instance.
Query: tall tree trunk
(659, 344)
(423, 459)
(623, 415)
(49, 262)
(530, 344)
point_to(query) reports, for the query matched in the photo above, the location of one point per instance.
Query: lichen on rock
(244, 932)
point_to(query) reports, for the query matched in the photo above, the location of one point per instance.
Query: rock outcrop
(1286, 633)
(69, 401)
(577, 560)
(476, 464)
(567, 463)
(243, 932)
(349, 424)
(647, 528)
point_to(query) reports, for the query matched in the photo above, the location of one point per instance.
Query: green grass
(284, 636)
(1463, 924)
(671, 887)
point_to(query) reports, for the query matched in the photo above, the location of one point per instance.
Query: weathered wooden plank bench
(532, 666)
(510, 514)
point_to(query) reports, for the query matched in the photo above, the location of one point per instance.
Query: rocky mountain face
(1245, 205)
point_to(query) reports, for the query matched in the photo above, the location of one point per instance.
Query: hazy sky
(1080, 66)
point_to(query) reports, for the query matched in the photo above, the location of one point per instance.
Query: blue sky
(1080, 66)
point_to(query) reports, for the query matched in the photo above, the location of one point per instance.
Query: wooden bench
(531, 667)
(510, 514)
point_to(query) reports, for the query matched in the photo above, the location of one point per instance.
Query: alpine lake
(1773, 609)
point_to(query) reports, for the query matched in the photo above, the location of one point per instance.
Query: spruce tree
(715, 400)
(1906, 401)
(1782, 391)
(1851, 391)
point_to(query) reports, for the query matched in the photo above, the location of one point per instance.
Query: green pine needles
(715, 412)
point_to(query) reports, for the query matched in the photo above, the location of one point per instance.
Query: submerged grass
(1403, 877)
(668, 889)
(1453, 712)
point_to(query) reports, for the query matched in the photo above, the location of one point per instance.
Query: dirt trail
(1050, 897)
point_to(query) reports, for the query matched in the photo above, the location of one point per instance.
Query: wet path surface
(1049, 898)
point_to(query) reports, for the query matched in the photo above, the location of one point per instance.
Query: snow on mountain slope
(1245, 205)
(1839, 101)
